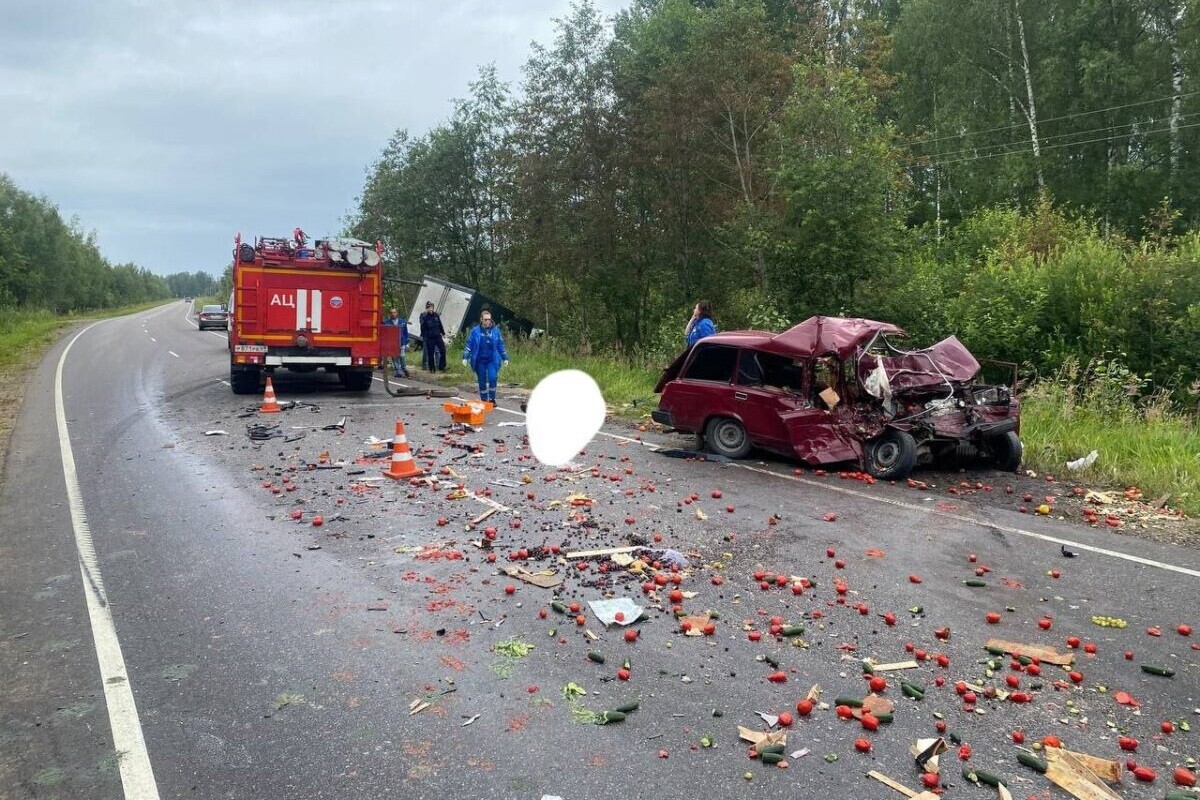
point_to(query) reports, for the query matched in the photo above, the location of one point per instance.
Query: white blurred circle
(564, 412)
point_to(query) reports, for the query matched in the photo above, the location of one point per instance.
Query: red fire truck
(303, 308)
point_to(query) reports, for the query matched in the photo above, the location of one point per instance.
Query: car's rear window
(712, 363)
(211, 310)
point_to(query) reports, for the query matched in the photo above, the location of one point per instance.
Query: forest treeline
(1020, 173)
(49, 264)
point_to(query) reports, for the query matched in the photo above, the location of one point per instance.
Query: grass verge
(1150, 445)
(25, 334)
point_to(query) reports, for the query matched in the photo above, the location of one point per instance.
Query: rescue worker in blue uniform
(485, 354)
(399, 368)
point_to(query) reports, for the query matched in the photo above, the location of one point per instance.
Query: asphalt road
(270, 657)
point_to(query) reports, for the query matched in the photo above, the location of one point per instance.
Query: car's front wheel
(727, 437)
(892, 455)
(1006, 451)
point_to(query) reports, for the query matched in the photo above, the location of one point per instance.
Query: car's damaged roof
(825, 336)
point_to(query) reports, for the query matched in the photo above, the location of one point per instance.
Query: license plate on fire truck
(249, 348)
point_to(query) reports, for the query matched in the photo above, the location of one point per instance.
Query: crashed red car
(833, 389)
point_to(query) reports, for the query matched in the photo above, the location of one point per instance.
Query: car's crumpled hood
(823, 336)
(947, 362)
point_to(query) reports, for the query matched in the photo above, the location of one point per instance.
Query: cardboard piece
(926, 752)
(830, 398)
(543, 579)
(1069, 774)
(762, 737)
(1104, 769)
(1045, 654)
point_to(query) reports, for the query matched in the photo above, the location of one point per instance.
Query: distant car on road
(833, 389)
(213, 317)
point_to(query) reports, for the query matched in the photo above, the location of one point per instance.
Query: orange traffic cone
(269, 406)
(402, 465)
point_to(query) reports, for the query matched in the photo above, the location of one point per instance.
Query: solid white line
(933, 511)
(172, 352)
(137, 776)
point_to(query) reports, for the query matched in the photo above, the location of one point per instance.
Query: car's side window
(750, 371)
(712, 363)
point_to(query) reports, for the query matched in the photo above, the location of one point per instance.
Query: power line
(1050, 119)
(1056, 146)
(1021, 142)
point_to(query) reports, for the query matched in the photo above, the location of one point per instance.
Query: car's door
(704, 388)
(761, 397)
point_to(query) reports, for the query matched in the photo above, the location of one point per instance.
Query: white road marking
(153, 339)
(137, 776)
(932, 511)
(172, 352)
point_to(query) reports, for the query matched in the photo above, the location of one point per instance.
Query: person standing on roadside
(433, 338)
(399, 368)
(700, 325)
(485, 354)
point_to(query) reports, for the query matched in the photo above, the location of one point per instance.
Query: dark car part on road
(833, 389)
(213, 316)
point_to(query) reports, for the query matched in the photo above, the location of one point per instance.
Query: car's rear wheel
(1006, 451)
(727, 437)
(892, 455)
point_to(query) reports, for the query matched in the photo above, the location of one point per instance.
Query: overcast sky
(169, 125)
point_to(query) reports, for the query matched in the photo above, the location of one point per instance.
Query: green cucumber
(853, 702)
(770, 660)
(625, 708)
(884, 718)
(772, 758)
(981, 776)
(868, 668)
(1164, 672)
(597, 657)
(1180, 794)
(769, 749)
(561, 608)
(612, 716)
(792, 630)
(996, 651)
(1032, 761)
(975, 583)
(912, 690)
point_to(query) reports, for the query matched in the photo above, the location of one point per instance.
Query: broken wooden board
(1046, 654)
(607, 551)
(891, 784)
(894, 666)
(1104, 769)
(483, 516)
(543, 579)
(1068, 773)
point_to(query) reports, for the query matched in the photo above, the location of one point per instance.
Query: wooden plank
(608, 551)
(891, 784)
(1066, 772)
(1104, 769)
(895, 666)
(483, 516)
(1046, 654)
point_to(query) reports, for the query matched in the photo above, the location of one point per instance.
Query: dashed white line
(153, 339)
(172, 352)
(137, 776)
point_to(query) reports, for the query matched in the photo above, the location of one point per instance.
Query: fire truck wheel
(244, 381)
(356, 380)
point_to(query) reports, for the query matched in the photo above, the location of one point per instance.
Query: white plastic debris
(1083, 463)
